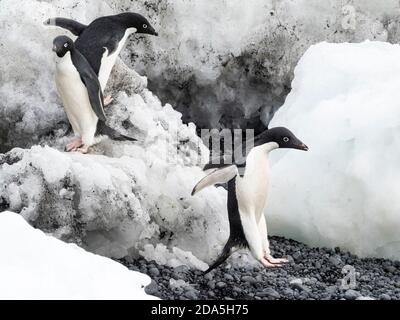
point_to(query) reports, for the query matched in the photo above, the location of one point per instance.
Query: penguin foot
(108, 100)
(83, 149)
(73, 145)
(272, 260)
(268, 264)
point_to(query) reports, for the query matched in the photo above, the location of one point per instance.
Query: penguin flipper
(95, 94)
(217, 176)
(74, 27)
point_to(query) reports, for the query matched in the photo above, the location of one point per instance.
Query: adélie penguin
(81, 94)
(102, 40)
(247, 195)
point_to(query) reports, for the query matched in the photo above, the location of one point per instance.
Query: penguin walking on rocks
(101, 41)
(247, 195)
(82, 96)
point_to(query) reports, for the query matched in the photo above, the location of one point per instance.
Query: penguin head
(61, 45)
(283, 137)
(137, 21)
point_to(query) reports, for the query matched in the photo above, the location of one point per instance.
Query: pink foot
(83, 149)
(272, 260)
(107, 100)
(73, 145)
(268, 264)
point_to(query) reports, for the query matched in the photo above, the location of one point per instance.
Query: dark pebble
(319, 267)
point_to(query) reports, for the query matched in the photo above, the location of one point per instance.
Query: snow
(220, 63)
(163, 256)
(121, 197)
(345, 191)
(232, 67)
(239, 59)
(36, 266)
(117, 205)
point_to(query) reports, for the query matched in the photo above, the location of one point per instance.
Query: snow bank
(36, 266)
(127, 196)
(230, 64)
(345, 191)
(220, 63)
(122, 197)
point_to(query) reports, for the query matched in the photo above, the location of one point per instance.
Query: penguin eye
(145, 26)
(66, 45)
(286, 139)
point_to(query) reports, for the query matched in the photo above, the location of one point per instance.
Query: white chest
(252, 188)
(74, 95)
(108, 61)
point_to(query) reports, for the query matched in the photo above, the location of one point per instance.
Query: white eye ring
(145, 26)
(286, 139)
(66, 45)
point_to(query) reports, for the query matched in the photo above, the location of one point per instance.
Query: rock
(269, 292)
(177, 284)
(295, 283)
(128, 259)
(335, 260)
(209, 276)
(288, 292)
(351, 294)
(152, 289)
(154, 272)
(331, 289)
(390, 269)
(273, 284)
(364, 278)
(290, 259)
(249, 279)
(228, 277)
(298, 284)
(211, 284)
(182, 269)
(296, 256)
(237, 289)
(191, 294)
(385, 296)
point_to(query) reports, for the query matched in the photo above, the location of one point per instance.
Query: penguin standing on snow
(81, 94)
(102, 40)
(247, 195)
(91, 59)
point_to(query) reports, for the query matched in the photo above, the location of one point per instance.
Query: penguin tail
(226, 252)
(111, 133)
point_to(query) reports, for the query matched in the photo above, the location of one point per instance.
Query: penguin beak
(54, 48)
(303, 147)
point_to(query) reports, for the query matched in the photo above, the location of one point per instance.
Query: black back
(89, 78)
(236, 233)
(107, 32)
(235, 223)
(101, 33)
